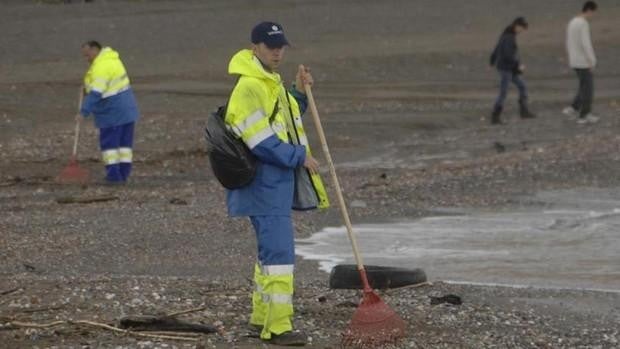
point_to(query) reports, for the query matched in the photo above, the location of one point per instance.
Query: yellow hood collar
(245, 63)
(107, 53)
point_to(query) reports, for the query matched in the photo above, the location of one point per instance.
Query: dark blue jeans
(505, 78)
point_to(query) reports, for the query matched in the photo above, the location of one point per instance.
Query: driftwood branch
(120, 330)
(18, 324)
(162, 323)
(41, 309)
(421, 284)
(9, 291)
(85, 200)
(172, 333)
(183, 312)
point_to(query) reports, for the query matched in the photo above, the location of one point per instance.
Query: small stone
(109, 296)
(177, 201)
(358, 204)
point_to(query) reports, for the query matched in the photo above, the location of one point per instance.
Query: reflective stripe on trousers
(125, 154)
(111, 156)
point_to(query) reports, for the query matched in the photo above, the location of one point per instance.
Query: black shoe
(288, 339)
(495, 116)
(254, 331)
(525, 112)
(108, 183)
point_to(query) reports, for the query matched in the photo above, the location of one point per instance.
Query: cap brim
(277, 42)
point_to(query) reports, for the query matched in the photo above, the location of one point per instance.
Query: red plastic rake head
(73, 173)
(374, 323)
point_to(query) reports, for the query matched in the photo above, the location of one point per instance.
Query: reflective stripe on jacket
(248, 115)
(109, 95)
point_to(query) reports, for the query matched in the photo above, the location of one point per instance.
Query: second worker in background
(110, 99)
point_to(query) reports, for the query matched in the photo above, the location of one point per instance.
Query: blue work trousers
(116, 149)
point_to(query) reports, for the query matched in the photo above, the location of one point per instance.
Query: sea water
(564, 239)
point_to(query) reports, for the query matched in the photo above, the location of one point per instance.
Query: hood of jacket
(105, 54)
(246, 64)
(510, 30)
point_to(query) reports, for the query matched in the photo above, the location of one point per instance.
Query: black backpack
(232, 162)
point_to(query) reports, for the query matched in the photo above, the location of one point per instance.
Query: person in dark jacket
(505, 58)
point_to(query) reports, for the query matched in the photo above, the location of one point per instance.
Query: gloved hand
(303, 77)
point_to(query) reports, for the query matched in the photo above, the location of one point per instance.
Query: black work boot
(495, 116)
(288, 339)
(254, 330)
(525, 112)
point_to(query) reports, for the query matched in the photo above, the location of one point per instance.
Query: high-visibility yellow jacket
(277, 139)
(109, 96)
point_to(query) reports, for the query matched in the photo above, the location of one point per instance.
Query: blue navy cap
(269, 33)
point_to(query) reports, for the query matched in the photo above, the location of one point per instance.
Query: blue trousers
(275, 238)
(272, 298)
(506, 77)
(116, 148)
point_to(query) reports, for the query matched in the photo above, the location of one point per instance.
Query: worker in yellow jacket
(110, 99)
(267, 117)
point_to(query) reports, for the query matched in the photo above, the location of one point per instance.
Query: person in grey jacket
(582, 59)
(505, 58)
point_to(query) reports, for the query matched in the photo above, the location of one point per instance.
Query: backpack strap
(274, 112)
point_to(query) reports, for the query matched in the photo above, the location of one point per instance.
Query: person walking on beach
(110, 99)
(582, 59)
(267, 117)
(505, 58)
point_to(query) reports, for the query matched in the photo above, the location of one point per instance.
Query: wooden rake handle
(77, 122)
(332, 171)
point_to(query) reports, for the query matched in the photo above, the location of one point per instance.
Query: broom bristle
(73, 174)
(373, 325)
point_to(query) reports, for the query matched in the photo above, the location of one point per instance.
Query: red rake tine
(374, 323)
(73, 173)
